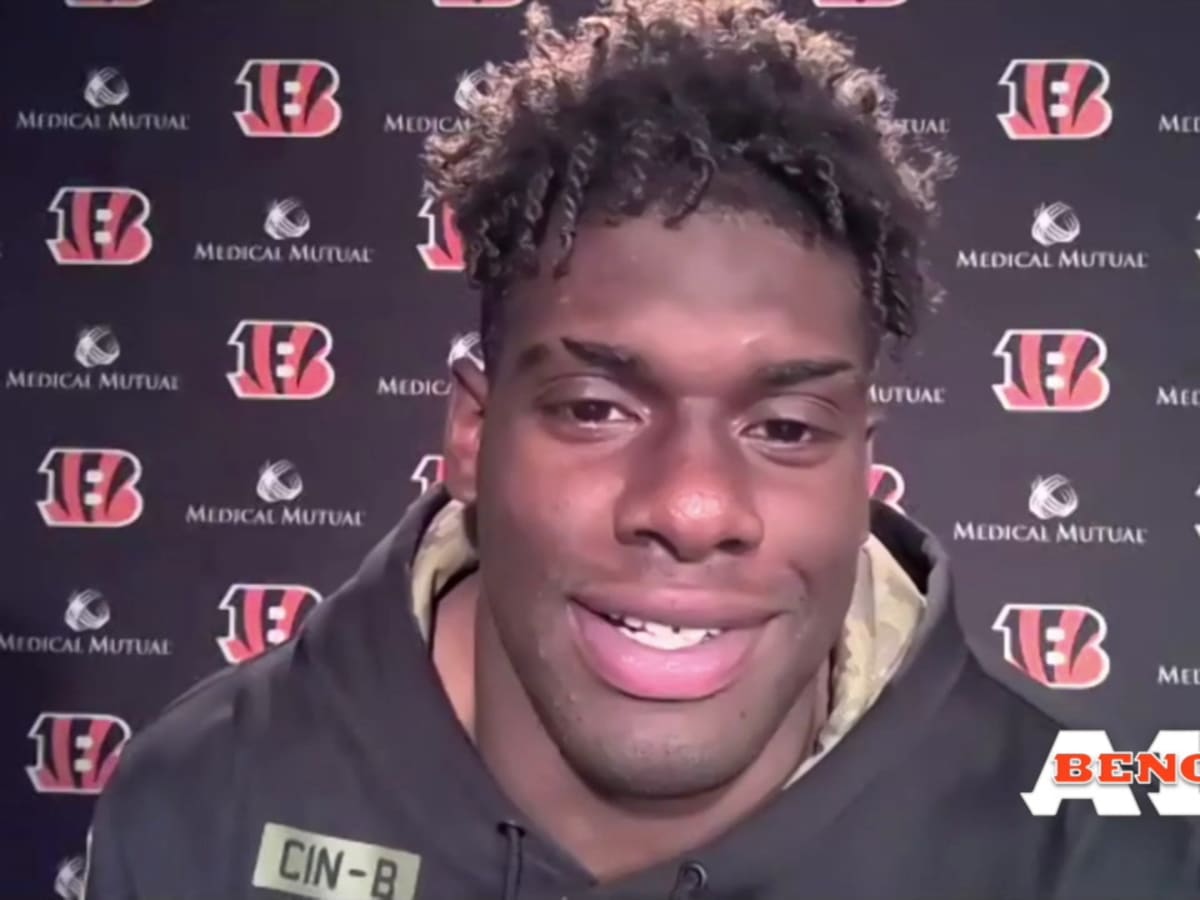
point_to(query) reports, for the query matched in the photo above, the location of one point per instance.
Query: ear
(874, 417)
(464, 428)
(874, 420)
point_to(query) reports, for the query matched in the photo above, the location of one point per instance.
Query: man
(650, 639)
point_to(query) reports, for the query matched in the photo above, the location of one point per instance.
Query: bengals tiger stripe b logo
(443, 249)
(89, 487)
(288, 98)
(100, 226)
(1056, 99)
(1060, 646)
(886, 484)
(76, 752)
(430, 471)
(1048, 370)
(281, 360)
(263, 616)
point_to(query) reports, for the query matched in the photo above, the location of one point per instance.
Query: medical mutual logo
(1053, 498)
(1052, 504)
(279, 482)
(1055, 231)
(106, 93)
(467, 92)
(462, 346)
(86, 617)
(1178, 396)
(907, 395)
(96, 352)
(922, 126)
(69, 878)
(279, 486)
(1055, 223)
(286, 221)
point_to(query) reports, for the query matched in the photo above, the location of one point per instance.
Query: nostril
(733, 546)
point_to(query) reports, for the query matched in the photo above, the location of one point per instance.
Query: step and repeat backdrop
(227, 302)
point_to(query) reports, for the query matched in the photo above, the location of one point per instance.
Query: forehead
(720, 291)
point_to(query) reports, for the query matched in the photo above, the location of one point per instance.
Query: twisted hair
(666, 105)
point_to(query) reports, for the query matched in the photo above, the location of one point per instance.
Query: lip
(649, 673)
(677, 607)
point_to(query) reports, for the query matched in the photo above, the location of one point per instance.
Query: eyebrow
(621, 362)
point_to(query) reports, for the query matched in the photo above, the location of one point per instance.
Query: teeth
(661, 636)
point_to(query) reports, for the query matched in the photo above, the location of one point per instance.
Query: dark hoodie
(335, 768)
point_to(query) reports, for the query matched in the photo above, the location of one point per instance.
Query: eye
(782, 431)
(590, 412)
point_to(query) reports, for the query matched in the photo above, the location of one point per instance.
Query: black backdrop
(164, 516)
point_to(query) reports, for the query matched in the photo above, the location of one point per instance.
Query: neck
(610, 836)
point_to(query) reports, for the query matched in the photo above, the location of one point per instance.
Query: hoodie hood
(880, 630)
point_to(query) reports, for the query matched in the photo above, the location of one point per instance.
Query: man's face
(671, 493)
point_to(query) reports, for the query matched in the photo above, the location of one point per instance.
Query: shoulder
(170, 813)
(192, 747)
(253, 716)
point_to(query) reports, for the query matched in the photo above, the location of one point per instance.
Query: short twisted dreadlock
(665, 105)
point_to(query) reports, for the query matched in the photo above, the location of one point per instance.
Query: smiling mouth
(659, 635)
(701, 654)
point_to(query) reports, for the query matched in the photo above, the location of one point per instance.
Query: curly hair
(668, 105)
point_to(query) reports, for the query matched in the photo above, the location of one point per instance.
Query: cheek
(818, 518)
(540, 505)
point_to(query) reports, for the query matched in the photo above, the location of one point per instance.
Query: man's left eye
(782, 431)
(593, 412)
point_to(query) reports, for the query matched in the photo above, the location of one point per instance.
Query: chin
(655, 771)
(656, 751)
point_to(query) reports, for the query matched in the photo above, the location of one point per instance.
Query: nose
(691, 495)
